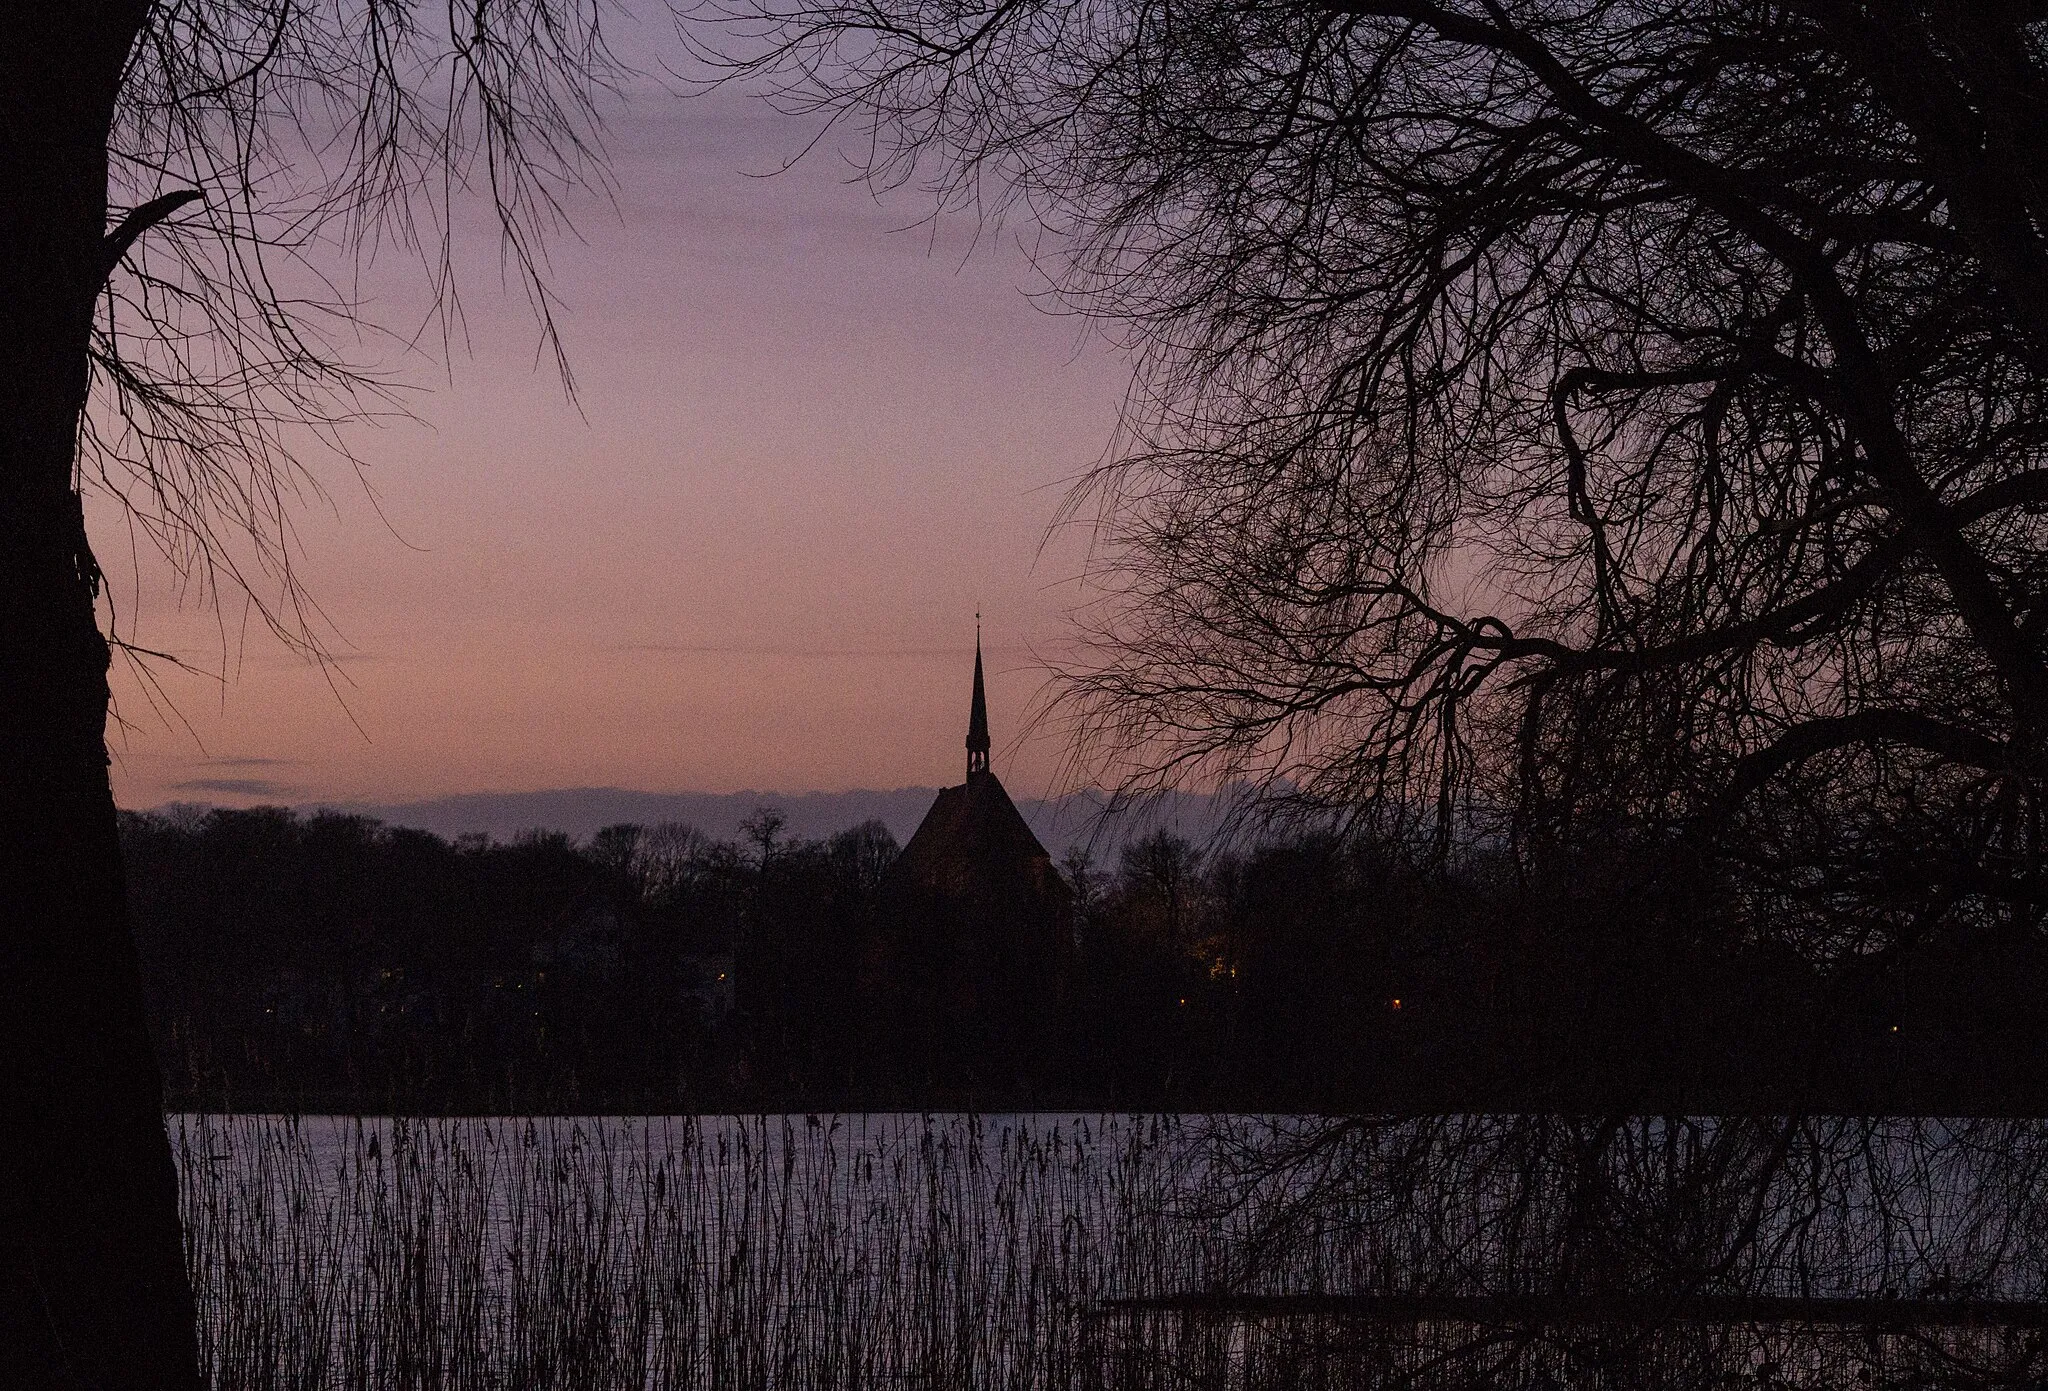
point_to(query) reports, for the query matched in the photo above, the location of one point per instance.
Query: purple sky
(809, 446)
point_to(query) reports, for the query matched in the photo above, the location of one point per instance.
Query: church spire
(977, 715)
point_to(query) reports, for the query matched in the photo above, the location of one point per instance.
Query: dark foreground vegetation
(975, 1254)
(331, 963)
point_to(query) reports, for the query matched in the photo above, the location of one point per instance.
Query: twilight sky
(809, 446)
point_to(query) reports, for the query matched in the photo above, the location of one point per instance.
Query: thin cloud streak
(729, 650)
(235, 787)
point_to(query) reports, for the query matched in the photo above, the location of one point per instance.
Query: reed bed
(767, 1252)
(965, 1253)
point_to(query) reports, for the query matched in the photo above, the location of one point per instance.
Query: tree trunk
(93, 1291)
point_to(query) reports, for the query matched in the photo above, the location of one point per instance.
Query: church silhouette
(974, 942)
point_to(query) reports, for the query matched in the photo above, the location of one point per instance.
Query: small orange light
(1396, 1002)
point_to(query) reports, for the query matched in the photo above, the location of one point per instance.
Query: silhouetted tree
(1161, 879)
(798, 957)
(672, 857)
(176, 176)
(1597, 419)
(333, 963)
(762, 828)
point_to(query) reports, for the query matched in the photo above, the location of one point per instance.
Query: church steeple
(977, 715)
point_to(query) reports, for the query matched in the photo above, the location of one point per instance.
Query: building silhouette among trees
(972, 948)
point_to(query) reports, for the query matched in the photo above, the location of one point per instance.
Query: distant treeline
(335, 963)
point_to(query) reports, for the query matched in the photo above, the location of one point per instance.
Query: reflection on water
(953, 1251)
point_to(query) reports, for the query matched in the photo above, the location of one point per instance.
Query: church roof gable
(974, 823)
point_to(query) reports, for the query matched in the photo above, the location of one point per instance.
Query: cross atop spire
(977, 714)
